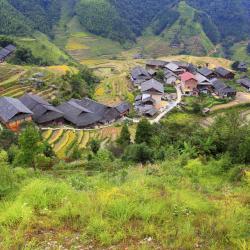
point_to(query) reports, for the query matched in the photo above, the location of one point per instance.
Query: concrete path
(170, 107)
(167, 109)
(157, 119)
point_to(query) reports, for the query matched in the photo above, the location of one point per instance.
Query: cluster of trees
(228, 137)
(24, 56)
(208, 25)
(77, 85)
(13, 22)
(165, 19)
(139, 14)
(28, 149)
(40, 15)
(124, 20)
(230, 17)
(248, 48)
(101, 18)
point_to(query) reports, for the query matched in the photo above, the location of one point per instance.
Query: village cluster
(153, 98)
(84, 113)
(191, 80)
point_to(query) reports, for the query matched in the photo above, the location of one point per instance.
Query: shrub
(7, 180)
(139, 153)
(15, 213)
(94, 145)
(43, 162)
(121, 210)
(236, 174)
(45, 194)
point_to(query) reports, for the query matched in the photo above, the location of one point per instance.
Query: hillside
(166, 186)
(185, 36)
(191, 26)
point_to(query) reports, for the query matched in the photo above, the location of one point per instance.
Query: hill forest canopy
(123, 20)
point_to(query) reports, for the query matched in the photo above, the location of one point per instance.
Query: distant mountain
(216, 21)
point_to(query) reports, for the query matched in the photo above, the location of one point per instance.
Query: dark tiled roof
(4, 52)
(138, 72)
(222, 71)
(152, 84)
(222, 88)
(205, 71)
(10, 107)
(43, 111)
(226, 90)
(244, 82)
(242, 65)
(158, 63)
(123, 107)
(217, 84)
(87, 112)
(147, 110)
(10, 48)
(184, 65)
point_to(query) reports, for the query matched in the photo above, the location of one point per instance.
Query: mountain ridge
(125, 21)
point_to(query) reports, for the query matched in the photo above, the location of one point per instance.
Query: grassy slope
(239, 52)
(81, 44)
(174, 205)
(191, 35)
(42, 47)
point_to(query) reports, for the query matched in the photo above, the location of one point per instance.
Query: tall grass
(174, 207)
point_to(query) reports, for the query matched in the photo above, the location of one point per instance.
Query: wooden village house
(244, 82)
(13, 113)
(155, 64)
(224, 73)
(206, 72)
(6, 52)
(43, 112)
(189, 83)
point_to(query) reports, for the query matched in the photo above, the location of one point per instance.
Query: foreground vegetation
(170, 186)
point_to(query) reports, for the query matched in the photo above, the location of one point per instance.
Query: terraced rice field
(63, 140)
(15, 80)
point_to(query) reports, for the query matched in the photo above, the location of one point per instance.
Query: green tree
(160, 75)
(76, 153)
(4, 41)
(95, 145)
(248, 48)
(228, 132)
(244, 151)
(235, 65)
(30, 145)
(140, 153)
(125, 137)
(144, 132)
(3, 157)
(7, 138)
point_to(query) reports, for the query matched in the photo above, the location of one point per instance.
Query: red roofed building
(188, 83)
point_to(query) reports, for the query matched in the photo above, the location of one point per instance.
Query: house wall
(189, 86)
(15, 125)
(157, 98)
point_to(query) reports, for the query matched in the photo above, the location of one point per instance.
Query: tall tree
(144, 132)
(125, 138)
(30, 144)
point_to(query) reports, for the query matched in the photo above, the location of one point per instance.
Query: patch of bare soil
(241, 98)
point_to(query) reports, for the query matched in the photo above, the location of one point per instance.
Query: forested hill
(123, 20)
